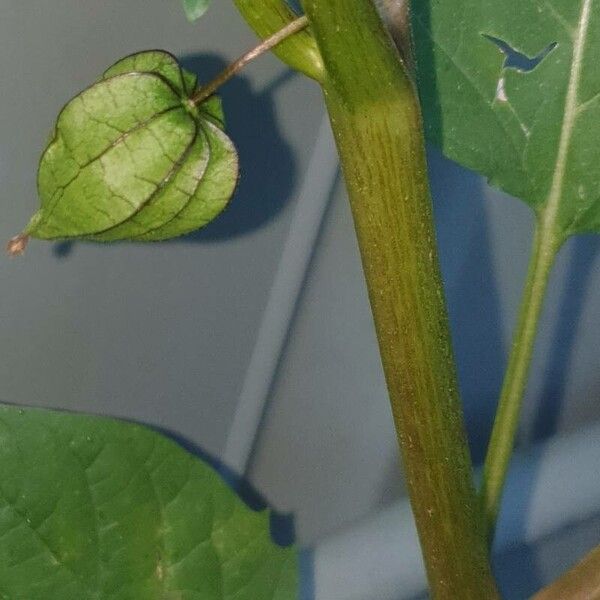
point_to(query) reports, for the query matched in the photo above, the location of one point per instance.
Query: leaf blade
(511, 110)
(92, 508)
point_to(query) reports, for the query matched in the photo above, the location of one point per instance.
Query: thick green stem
(376, 120)
(545, 247)
(267, 17)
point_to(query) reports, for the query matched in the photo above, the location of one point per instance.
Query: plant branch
(269, 16)
(376, 120)
(233, 69)
(545, 247)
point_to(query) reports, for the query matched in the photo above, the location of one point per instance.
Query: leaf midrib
(550, 211)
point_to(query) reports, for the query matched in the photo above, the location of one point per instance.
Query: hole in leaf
(517, 60)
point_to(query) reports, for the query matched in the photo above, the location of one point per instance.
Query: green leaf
(132, 155)
(92, 508)
(194, 9)
(512, 90)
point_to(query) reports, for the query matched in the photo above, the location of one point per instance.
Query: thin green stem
(376, 121)
(545, 247)
(234, 68)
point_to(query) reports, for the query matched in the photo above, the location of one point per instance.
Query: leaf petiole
(233, 69)
(545, 246)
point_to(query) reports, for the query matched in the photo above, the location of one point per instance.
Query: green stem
(267, 17)
(376, 120)
(545, 247)
(234, 68)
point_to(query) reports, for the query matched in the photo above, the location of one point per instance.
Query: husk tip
(17, 245)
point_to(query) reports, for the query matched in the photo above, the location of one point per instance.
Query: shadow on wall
(267, 163)
(559, 363)
(471, 292)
